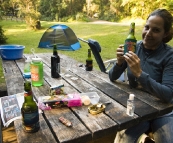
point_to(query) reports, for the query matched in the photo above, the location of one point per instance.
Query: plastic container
(70, 100)
(36, 72)
(27, 71)
(94, 97)
(130, 105)
(11, 52)
(73, 100)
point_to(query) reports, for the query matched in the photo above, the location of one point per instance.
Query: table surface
(86, 127)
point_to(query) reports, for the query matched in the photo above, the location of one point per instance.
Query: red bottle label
(130, 45)
(34, 73)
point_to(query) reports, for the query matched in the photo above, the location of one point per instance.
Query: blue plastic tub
(11, 52)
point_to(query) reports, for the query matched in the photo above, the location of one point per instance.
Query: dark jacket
(157, 71)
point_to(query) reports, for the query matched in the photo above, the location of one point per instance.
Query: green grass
(108, 35)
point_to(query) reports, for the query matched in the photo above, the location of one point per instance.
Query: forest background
(69, 10)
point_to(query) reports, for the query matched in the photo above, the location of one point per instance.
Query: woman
(150, 68)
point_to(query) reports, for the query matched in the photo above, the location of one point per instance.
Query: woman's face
(153, 32)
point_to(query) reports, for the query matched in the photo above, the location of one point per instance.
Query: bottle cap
(36, 59)
(131, 97)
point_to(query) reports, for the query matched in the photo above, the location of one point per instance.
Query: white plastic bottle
(130, 105)
(27, 72)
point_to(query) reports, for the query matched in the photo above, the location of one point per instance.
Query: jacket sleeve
(116, 71)
(163, 90)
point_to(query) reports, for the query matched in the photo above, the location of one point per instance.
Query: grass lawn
(110, 36)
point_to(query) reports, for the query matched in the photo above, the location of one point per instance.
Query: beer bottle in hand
(89, 61)
(130, 42)
(29, 110)
(55, 64)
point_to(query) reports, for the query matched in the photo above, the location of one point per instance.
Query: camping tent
(62, 36)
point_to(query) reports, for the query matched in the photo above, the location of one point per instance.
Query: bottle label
(28, 93)
(31, 121)
(34, 73)
(58, 68)
(130, 45)
(130, 109)
(55, 68)
(89, 65)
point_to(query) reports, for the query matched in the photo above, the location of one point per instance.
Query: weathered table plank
(163, 108)
(77, 133)
(44, 135)
(13, 78)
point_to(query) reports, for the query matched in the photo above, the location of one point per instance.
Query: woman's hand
(120, 57)
(134, 63)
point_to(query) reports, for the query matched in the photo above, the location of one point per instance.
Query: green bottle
(29, 110)
(36, 72)
(89, 62)
(130, 42)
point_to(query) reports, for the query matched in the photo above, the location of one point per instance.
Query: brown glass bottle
(89, 62)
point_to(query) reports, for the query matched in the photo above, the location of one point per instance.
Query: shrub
(3, 38)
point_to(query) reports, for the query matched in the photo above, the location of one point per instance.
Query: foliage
(81, 17)
(29, 10)
(3, 38)
(69, 10)
(142, 8)
(60, 9)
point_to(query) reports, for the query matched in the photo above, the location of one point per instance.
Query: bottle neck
(28, 96)
(132, 31)
(89, 53)
(55, 53)
(55, 50)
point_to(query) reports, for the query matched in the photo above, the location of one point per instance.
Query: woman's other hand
(120, 53)
(134, 63)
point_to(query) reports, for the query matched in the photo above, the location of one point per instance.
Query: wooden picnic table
(87, 128)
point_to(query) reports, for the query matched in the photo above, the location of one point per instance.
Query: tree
(3, 38)
(142, 8)
(29, 10)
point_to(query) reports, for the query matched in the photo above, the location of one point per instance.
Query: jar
(36, 72)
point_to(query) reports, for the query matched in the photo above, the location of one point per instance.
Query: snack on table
(56, 90)
(93, 98)
(96, 109)
(69, 100)
(65, 121)
(85, 100)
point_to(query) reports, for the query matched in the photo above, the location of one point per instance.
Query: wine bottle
(55, 64)
(130, 42)
(89, 61)
(29, 110)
